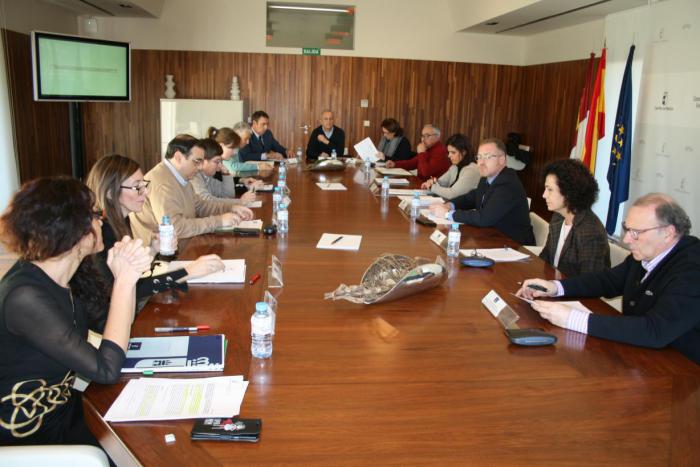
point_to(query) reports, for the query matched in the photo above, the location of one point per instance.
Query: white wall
(570, 43)
(408, 29)
(9, 175)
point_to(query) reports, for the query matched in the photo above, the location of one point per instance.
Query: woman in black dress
(52, 225)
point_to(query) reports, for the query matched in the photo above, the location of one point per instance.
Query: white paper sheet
(393, 181)
(394, 171)
(146, 399)
(331, 186)
(499, 255)
(438, 220)
(254, 204)
(332, 241)
(407, 192)
(424, 200)
(366, 149)
(234, 272)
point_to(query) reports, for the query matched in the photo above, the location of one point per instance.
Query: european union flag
(621, 151)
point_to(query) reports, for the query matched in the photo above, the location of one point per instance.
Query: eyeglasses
(140, 188)
(485, 157)
(635, 233)
(197, 162)
(427, 135)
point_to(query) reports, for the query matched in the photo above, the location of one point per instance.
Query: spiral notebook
(175, 354)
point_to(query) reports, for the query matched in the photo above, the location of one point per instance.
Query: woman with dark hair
(577, 242)
(462, 177)
(393, 146)
(51, 223)
(120, 189)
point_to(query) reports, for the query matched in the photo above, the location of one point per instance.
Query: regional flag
(595, 129)
(621, 151)
(583, 111)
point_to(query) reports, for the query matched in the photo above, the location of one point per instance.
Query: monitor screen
(73, 68)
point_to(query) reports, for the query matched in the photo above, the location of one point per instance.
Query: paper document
(408, 192)
(393, 172)
(331, 186)
(366, 149)
(234, 272)
(252, 224)
(573, 304)
(393, 181)
(424, 200)
(145, 399)
(254, 204)
(265, 188)
(499, 255)
(438, 220)
(331, 241)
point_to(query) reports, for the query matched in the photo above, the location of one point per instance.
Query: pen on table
(337, 240)
(254, 279)
(202, 327)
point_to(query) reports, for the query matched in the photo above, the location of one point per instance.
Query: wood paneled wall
(41, 129)
(539, 101)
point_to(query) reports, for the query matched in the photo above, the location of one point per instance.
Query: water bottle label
(283, 215)
(166, 236)
(454, 237)
(261, 326)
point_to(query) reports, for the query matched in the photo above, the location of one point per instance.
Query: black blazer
(663, 310)
(337, 141)
(502, 205)
(254, 149)
(585, 249)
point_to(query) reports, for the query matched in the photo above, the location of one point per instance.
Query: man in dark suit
(659, 283)
(262, 145)
(326, 138)
(499, 200)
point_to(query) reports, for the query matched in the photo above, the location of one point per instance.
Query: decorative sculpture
(235, 89)
(169, 87)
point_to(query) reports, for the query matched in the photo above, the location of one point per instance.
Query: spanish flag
(595, 129)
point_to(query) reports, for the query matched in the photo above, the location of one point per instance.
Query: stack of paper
(424, 200)
(265, 188)
(393, 181)
(407, 192)
(254, 204)
(393, 172)
(438, 220)
(331, 241)
(254, 224)
(331, 186)
(234, 272)
(146, 399)
(499, 255)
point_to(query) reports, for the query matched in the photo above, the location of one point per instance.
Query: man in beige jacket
(171, 194)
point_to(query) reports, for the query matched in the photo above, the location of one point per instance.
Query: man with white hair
(659, 283)
(431, 160)
(325, 138)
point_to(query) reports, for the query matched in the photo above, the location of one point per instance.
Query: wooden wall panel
(41, 129)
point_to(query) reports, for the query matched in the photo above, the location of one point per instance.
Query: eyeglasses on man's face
(427, 135)
(140, 188)
(485, 157)
(635, 233)
(197, 161)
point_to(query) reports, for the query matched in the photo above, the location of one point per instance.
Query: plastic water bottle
(276, 199)
(368, 164)
(282, 219)
(415, 205)
(334, 154)
(454, 237)
(282, 185)
(283, 171)
(298, 153)
(166, 237)
(385, 187)
(261, 331)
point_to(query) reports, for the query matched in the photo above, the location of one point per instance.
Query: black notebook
(227, 429)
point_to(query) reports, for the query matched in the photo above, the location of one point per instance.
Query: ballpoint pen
(337, 240)
(202, 327)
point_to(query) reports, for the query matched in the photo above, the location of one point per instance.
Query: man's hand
(428, 183)
(528, 292)
(242, 212)
(439, 210)
(380, 155)
(274, 156)
(322, 138)
(203, 266)
(390, 164)
(421, 148)
(230, 219)
(248, 197)
(554, 312)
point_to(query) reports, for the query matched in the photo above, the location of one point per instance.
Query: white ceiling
(547, 15)
(122, 8)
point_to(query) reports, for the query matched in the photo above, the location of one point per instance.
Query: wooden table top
(429, 379)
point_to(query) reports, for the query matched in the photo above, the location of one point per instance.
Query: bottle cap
(455, 226)
(261, 306)
(166, 220)
(283, 206)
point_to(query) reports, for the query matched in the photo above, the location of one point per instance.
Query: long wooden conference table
(429, 379)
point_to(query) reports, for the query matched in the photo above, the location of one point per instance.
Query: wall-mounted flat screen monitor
(74, 68)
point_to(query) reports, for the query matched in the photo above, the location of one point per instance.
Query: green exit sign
(310, 51)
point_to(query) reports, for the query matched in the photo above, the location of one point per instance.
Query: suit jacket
(662, 310)
(585, 249)
(255, 147)
(189, 214)
(502, 205)
(337, 141)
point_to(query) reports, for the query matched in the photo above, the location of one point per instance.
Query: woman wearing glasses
(462, 177)
(120, 189)
(46, 311)
(393, 146)
(577, 242)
